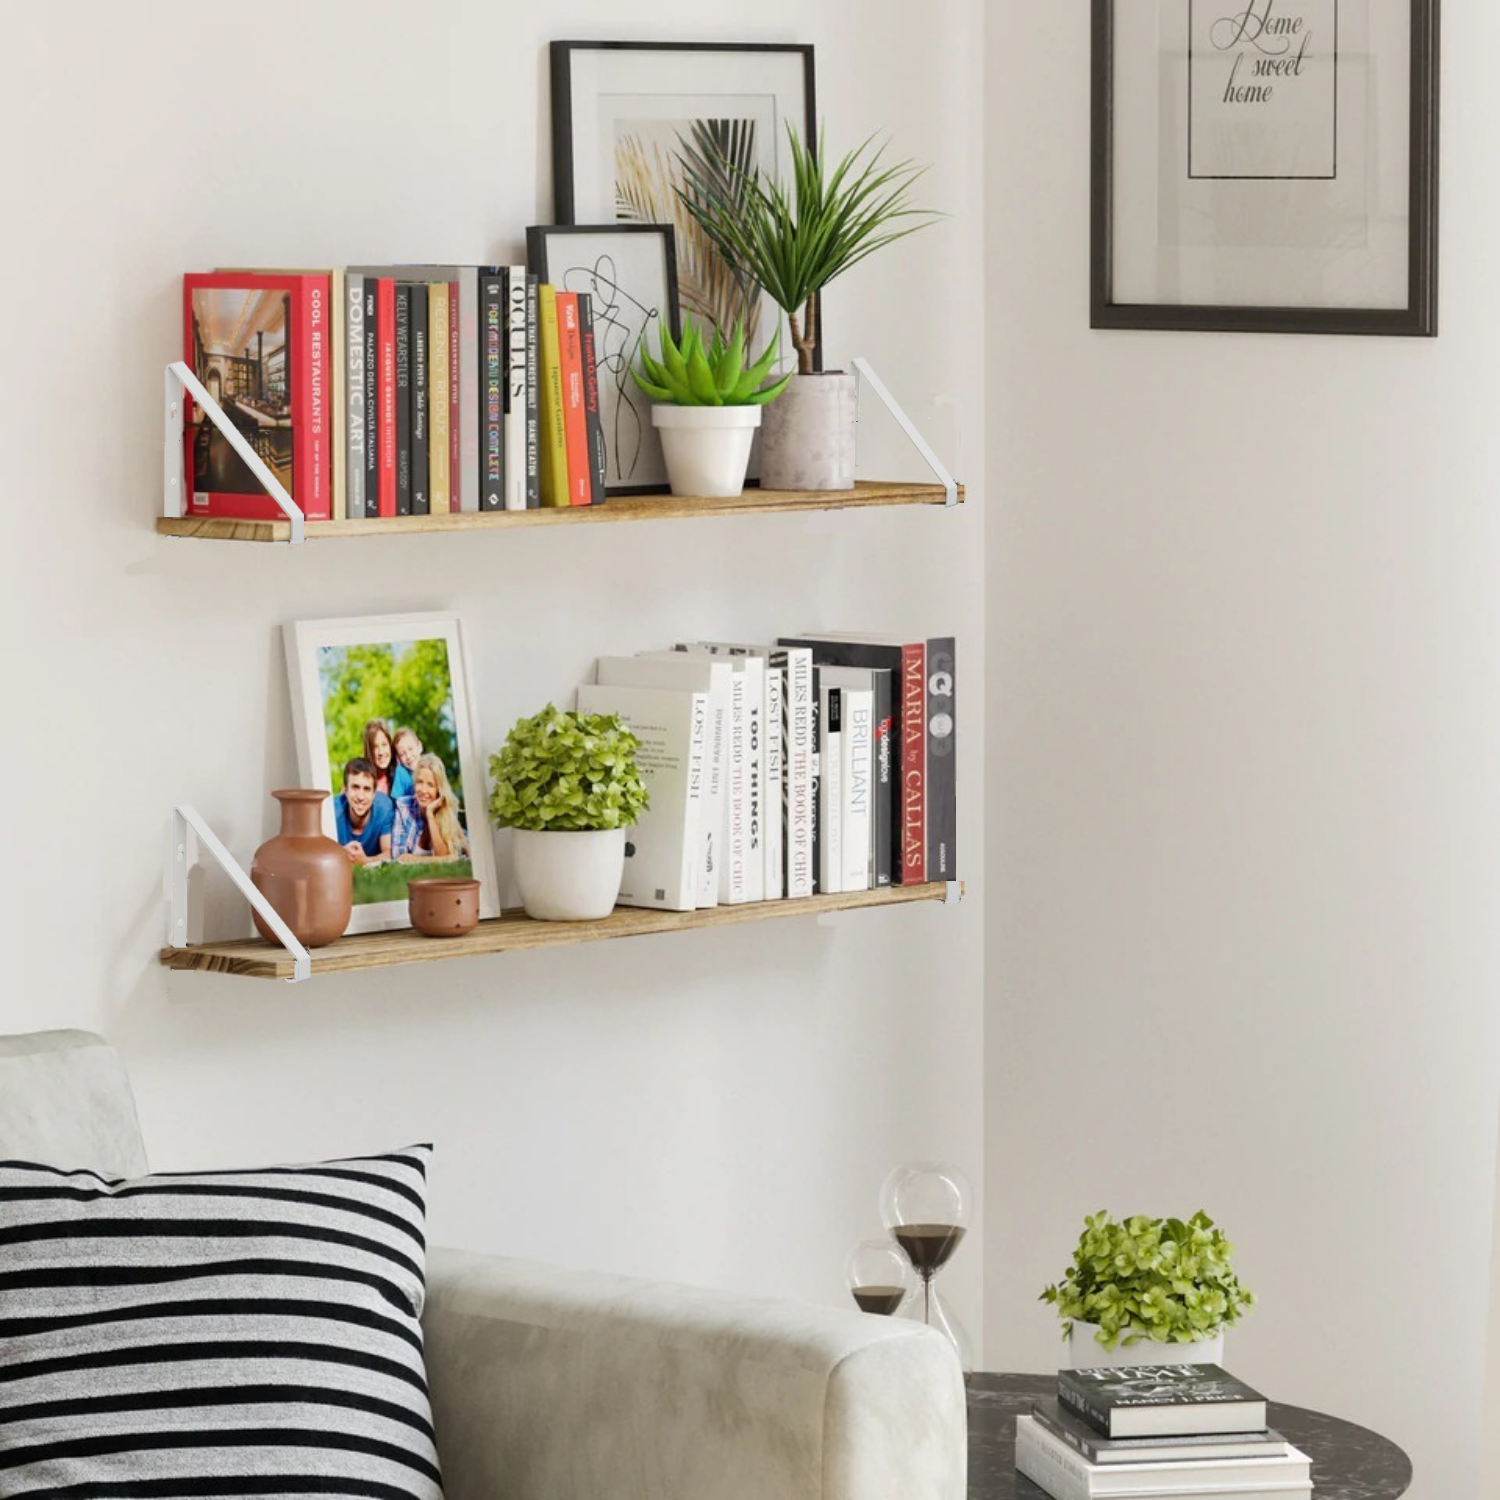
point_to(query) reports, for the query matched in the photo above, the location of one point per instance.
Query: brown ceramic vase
(443, 908)
(305, 876)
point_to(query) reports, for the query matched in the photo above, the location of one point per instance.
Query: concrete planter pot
(808, 434)
(569, 877)
(707, 448)
(1084, 1354)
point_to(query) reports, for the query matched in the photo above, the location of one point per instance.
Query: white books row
(1066, 1475)
(761, 776)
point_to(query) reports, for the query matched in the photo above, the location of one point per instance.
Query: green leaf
(701, 378)
(730, 364)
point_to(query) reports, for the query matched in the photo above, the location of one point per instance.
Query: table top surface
(1348, 1462)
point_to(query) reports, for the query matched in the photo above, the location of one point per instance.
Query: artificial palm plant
(794, 243)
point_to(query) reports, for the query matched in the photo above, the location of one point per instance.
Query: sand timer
(927, 1207)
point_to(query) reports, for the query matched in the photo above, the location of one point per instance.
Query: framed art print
(624, 112)
(629, 272)
(385, 723)
(1265, 165)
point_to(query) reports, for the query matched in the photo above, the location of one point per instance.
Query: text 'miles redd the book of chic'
(259, 345)
(1161, 1400)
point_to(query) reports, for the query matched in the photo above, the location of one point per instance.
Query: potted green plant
(794, 244)
(708, 403)
(1145, 1291)
(568, 786)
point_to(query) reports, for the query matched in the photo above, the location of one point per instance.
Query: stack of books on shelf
(1186, 1431)
(393, 391)
(817, 764)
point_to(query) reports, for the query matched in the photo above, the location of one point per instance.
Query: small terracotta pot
(443, 908)
(305, 876)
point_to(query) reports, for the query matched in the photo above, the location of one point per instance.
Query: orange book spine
(575, 417)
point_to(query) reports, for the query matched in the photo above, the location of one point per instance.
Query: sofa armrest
(564, 1385)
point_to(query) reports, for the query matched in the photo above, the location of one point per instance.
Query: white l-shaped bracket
(180, 379)
(868, 377)
(178, 863)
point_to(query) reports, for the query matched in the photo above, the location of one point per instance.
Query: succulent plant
(697, 374)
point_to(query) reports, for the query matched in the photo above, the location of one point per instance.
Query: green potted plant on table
(708, 403)
(793, 244)
(568, 786)
(1145, 1291)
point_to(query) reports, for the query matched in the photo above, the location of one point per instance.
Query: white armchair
(558, 1385)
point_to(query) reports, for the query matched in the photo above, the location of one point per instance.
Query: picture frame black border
(537, 261)
(1418, 319)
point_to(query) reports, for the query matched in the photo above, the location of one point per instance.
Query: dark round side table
(1348, 1462)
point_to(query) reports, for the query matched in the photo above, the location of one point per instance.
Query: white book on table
(689, 673)
(663, 857)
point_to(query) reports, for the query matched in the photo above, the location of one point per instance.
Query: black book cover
(492, 325)
(403, 398)
(1161, 1395)
(1203, 1447)
(533, 397)
(598, 456)
(942, 761)
(372, 406)
(421, 419)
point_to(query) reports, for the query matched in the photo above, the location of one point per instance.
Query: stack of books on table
(1156, 1430)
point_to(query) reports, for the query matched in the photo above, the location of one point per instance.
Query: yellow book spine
(554, 437)
(337, 397)
(437, 397)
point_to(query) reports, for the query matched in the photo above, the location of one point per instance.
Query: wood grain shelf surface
(515, 932)
(865, 495)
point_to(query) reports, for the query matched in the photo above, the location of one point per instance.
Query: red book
(455, 459)
(575, 418)
(385, 391)
(914, 764)
(258, 343)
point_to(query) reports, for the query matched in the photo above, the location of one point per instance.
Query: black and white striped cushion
(215, 1334)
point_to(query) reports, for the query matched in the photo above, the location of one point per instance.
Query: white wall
(719, 1107)
(1244, 640)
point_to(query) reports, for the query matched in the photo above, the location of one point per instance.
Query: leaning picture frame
(384, 721)
(1265, 166)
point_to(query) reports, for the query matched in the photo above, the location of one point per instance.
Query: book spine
(437, 395)
(1049, 1469)
(492, 393)
(775, 759)
(712, 822)
(942, 761)
(387, 381)
(515, 388)
(455, 387)
(798, 718)
(831, 759)
(733, 889)
(533, 397)
(815, 783)
(372, 396)
(594, 430)
(1081, 1404)
(858, 745)
(354, 396)
(421, 416)
(570, 351)
(886, 828)
(755, 778)
(698, 804)
(317, 450)
(554, 440)
(403, 397)
(913, 765)
(1065, 1435)
(338, 395)
(468, 388)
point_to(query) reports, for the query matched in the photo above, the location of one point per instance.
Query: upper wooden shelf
(622, 508)
(515, 932)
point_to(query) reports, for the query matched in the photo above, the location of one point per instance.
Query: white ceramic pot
(707, 448)
(807, 440)
(569, 877)
(1085, 1354)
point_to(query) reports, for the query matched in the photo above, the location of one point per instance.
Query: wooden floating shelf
(515, 932)
(623, 508)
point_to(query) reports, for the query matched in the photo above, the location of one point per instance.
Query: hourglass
(927, 1207)
(879, 1276)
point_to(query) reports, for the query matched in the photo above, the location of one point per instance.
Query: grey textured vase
(807, 434)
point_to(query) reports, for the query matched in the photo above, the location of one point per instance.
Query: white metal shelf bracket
(178, 863)
(867, 377)
(180, 379)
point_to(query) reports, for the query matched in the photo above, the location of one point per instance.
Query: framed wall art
(1265, 165)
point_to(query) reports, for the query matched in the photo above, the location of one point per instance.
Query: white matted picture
(384, 721)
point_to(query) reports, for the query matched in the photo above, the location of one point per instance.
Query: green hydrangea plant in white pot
(568, 786)
(1144, 1291)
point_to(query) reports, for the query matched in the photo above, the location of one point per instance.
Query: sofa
(559, 1385)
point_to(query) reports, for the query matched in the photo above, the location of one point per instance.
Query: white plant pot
(808, 439)
(1085, 1354)
(707, 448)
(569, 877)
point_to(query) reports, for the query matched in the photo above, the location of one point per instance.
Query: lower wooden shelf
(515, 932)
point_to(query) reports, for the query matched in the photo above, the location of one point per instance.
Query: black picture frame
(614, 359)
(1418, 319)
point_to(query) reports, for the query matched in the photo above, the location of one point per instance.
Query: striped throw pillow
(215, 1333)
